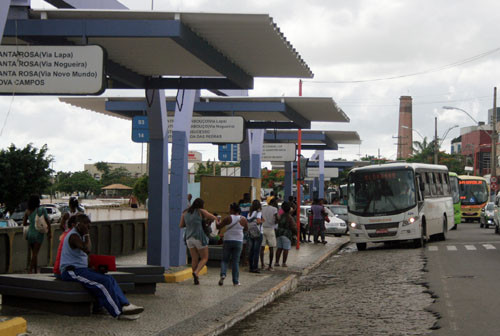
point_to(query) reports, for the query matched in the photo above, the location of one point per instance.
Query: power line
(441, 68)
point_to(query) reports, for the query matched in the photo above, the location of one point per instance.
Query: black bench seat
(145, 276)
(45, 292)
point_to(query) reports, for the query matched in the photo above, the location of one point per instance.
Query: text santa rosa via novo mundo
(51, 70)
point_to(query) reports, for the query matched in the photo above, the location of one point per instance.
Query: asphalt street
(464, 274)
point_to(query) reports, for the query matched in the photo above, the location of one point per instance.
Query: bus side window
(439, 184)
(427, 184)
(448, 183)
(432, 180)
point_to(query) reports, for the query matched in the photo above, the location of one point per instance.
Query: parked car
(487, 215)
(339, 210)
(336, 226)
(53, 212)
(17, 216)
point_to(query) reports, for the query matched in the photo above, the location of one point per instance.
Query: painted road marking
(489, 247)
(433, 248)
(451, 247)
(470, 247)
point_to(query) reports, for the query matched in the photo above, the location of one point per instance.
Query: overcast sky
(340, 41)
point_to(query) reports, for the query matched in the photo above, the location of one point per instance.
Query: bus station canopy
(146, 49)
(314, 139)
(258, 112)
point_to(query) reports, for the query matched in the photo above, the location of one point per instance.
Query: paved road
(464, 272)
(374, 292)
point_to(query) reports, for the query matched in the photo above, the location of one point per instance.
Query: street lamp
(493, 135)
(414, 131)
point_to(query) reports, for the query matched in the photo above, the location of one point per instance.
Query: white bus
(399, 201)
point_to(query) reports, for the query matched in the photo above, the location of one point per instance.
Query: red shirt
(56, 269)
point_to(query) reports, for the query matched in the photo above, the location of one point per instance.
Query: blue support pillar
(321, 186)
(179, 174)
(288, 180)
(251, 153)
(158, 222)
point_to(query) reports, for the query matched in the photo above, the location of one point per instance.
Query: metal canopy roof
(141, 45)
(315, 139)
(269, 112)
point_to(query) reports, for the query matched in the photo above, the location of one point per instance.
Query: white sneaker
(132, 309)
(128, 317)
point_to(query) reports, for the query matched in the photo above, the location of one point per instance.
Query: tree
(424, 153)
(84, 182)
(23, 172)
(141, 188)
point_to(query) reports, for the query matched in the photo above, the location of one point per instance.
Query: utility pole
(494, 136)
(436, 145)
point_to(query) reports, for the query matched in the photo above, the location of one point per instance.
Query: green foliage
(112, 176)
(23, 172)
(272, 178)
(141, 188)
(81, 182)
(424, 153)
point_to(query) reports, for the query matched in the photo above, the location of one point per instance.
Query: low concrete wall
(107, 214)
(115, 237)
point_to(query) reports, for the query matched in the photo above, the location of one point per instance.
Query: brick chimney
(405, 134)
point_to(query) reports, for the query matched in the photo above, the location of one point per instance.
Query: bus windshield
(455, 194)
(473, 192)
(381, 192)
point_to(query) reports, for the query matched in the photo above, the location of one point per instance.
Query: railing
(112, 237)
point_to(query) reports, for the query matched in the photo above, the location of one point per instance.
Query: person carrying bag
(255, 235)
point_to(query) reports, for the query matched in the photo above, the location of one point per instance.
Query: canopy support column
(251, 153)
(4, 12)
(179, 172)
(288, 180)
(158, 221)
(321, 186)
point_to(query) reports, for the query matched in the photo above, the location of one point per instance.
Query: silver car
(339, 210)
(336, 226)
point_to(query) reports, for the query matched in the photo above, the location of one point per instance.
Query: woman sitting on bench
(74, 262)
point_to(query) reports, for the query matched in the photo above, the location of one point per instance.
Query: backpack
(40, 222)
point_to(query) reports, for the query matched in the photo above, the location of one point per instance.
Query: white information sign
(329, 172)
(51, 70)
(213, 129)
(278, 152)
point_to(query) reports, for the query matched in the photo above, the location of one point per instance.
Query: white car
(336, 226)
(53, 212)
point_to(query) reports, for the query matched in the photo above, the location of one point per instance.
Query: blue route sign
(140, 129)
(228, 152)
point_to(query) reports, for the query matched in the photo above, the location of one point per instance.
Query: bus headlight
(410, 220)
(356, 226)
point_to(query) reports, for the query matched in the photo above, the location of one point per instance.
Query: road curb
(12, 326)
(285, 286)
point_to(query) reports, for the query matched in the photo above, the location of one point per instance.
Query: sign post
(51, 70)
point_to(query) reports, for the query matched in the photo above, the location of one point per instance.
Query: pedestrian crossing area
(460, 247)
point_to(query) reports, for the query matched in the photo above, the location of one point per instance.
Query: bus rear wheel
(361, 246)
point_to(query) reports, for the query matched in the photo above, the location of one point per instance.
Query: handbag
(253, 230)
(40, 223)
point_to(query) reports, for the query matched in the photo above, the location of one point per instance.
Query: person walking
(270, 216)
(74, 267)
(196, 239)
(233, 242)
(318, 213)
(245, 203)
(35, 237)
(286, 230)
(254, 235)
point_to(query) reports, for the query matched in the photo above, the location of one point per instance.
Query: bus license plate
(382, 231)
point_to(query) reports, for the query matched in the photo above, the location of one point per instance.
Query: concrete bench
(145, 276)
(45, 292)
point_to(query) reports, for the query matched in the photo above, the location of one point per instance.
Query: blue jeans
(102, 286)
(231, 249)
(253, 257)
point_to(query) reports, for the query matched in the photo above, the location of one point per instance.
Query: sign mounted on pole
(214, 129)
(140, 129)
(51, 70)
(278, 152)
(329, 172)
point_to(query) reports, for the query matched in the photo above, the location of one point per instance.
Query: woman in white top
(233, 241)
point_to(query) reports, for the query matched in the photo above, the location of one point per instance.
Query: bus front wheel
(361, 246)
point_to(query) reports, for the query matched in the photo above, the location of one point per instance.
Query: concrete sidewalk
(185, 309)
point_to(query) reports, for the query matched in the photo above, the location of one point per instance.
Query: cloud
(340, 40)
